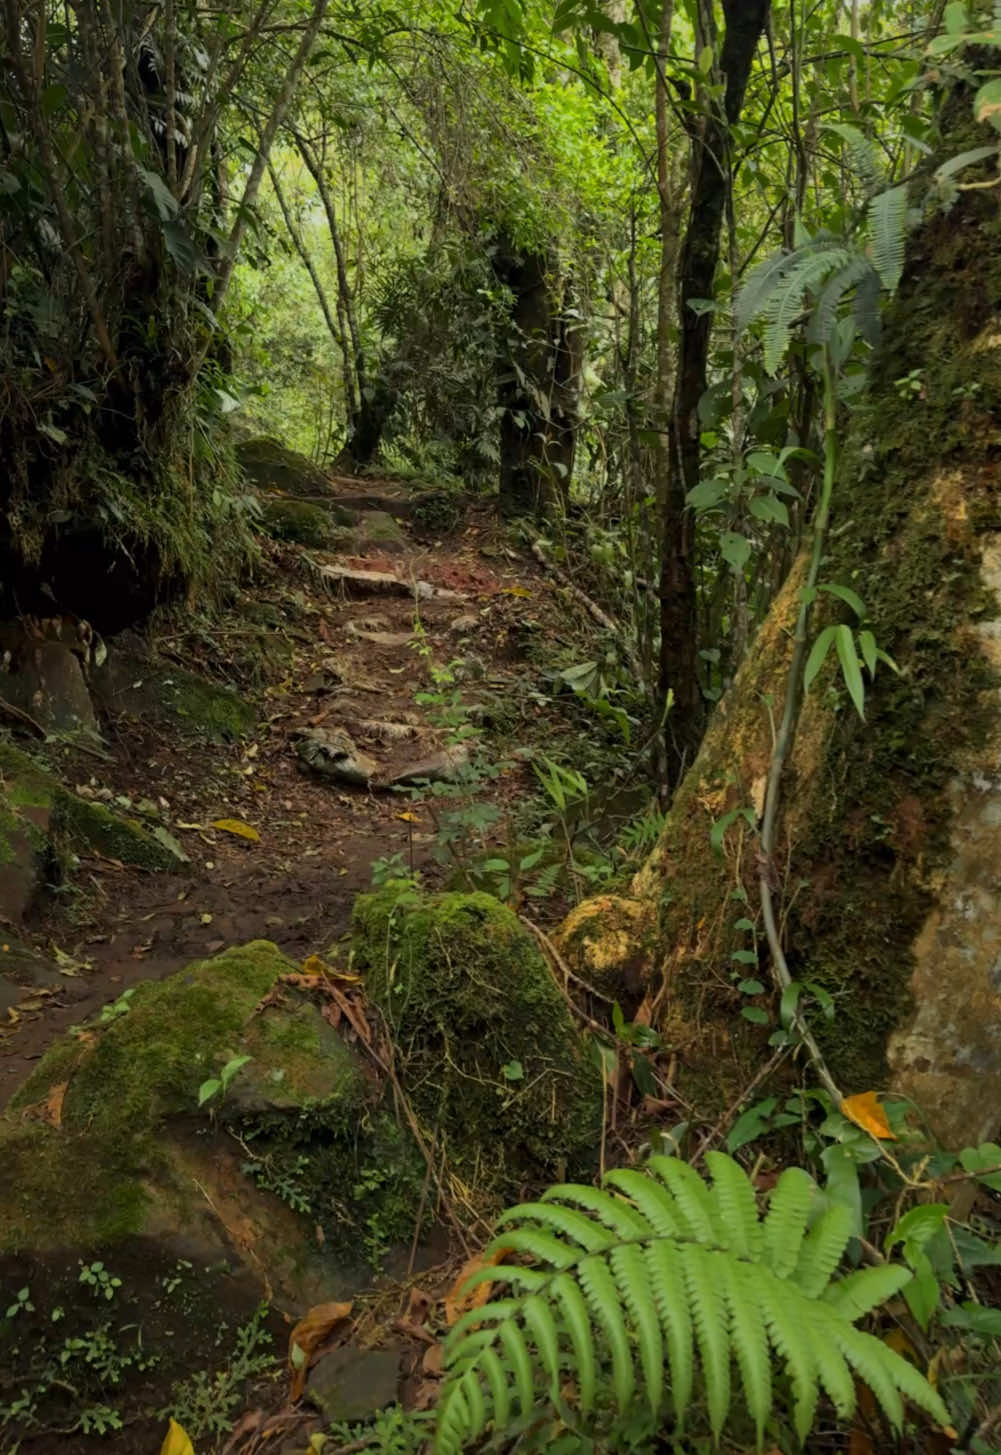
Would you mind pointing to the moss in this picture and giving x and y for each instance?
(127, 1084)
(216, 712)
(304, 524)
(272, 466)
(76, 822)
(487, 1051)
(610, 941)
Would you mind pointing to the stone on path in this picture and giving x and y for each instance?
(351, 1384)
(332, 753)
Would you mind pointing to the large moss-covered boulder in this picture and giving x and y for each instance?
(40, 818)
(106, 1139)
(271, 465)
(487, 1051)
(305, 524)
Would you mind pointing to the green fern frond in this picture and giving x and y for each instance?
(658, 1277)
(825, 311)
(787, 302)
(864, 156)
(888, 228)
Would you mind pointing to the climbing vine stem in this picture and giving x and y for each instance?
(786, 735)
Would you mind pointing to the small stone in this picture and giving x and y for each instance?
(441, 767)
(332, 753)
(468, 622)
(352, 1384)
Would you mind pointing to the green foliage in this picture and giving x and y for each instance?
(654, 1287)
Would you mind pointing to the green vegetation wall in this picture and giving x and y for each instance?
(888, 876)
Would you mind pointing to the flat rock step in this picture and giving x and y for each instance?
(383, 583)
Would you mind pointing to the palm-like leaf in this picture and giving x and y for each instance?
(657, 1276)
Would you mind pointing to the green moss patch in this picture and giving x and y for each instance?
(71, 820)
(272, 466)
(495, 1068)
(161, 692)
(305, 524)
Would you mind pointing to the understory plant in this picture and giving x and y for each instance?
(647, 1291)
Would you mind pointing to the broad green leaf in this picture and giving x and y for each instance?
(818, 653)
(848, 596)
(845, 643)
(735, 549)
(769, 508)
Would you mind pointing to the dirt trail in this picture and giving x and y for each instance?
(351, 662)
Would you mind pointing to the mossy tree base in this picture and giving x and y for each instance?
(888, 877)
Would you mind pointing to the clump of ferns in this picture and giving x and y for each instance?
(648, 1291)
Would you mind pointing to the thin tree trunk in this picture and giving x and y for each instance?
(745, 23)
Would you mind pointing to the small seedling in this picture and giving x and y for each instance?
(218, 1085)
(22, 1304)
(101, 1282)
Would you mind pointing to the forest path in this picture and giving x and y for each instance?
(344, 654)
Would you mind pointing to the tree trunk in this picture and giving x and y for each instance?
(538, 387)
(745, 23)
(888, 878)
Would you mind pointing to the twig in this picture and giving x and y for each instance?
(17, 714)
(735, 1107)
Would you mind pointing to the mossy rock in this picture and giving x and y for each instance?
(130, 682)
(487, 1051)
(610, 941)
(106, 1140)
(302, 523)
(270, 465)
(35, 796)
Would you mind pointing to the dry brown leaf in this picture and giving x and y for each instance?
(865, 1111)
(418, 1305)
(456, 1302)
(309, 1333)
(433, 1361)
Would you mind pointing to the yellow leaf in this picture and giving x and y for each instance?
(313, 965)
(238, 827)
(457, 1301)
(521, 591)
(176, 1442)
(409, 817)
(865, 1111)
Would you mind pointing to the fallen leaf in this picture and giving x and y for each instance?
(52, 1107)
(432, 1363)
(520, 591)
(865, 1111)
(309, 1333)
(409, 817)
(238, 827)
(176, 1441)
(458, 1302)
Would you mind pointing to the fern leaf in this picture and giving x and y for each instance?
(785, 1334)
(832, 1370)
(786, 1221)
(541, 1325)
(572, 1224)
(500, 1394)
(865, 1355)
(787, 301)
(681, 1278)
(600, 1292)
(888, 225)
(737, 1203)
(667, 1284)
(825, 312)
(705, 1300)
(865, 1289)
(821, 1250)
(622, 1220)
(750, 1341)
(630, 1275)
(758, 288)
(653, 1201)
(570, 1299)
(863, 154)
(538, 1244)
(519, 1362)
(692, 1197)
